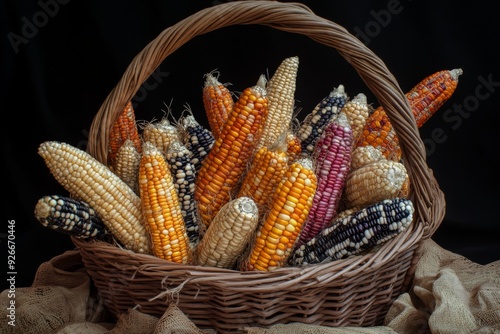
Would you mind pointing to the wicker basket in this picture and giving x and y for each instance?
(357, 291)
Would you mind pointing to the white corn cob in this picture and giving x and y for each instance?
(281, 96)
(228, 235)
(89, 180)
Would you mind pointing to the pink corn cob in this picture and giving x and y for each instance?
(332, 163)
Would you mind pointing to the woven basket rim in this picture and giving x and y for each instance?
(350, 266)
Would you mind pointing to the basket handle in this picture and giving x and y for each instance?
(294, 18)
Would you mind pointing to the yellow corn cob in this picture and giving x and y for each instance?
(228, 234)
(280, 229)
(218, 102)
(357, 111)
(88, 180)
(126, 165)
(161, 207)
(266, 170)
(363, 155)
(379, 180)
(161, 134)
(225, 164)
(281, 96)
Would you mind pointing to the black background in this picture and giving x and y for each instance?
(55, 76)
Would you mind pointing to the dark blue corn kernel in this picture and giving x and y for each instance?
(69, 216)
(314, 123)
(334, 242)
(184, 174)
(198, 139)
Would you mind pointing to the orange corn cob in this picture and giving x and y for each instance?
(279, 232)
(266, 170)
(378, 132)
(161, 207)
(218, 102)
(425, 99)
(124, 127)
(225, 164)
(294, 148)
(431, 93)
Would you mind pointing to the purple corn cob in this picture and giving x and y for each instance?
(332, 162)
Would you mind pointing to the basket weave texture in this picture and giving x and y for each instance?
(357, 291)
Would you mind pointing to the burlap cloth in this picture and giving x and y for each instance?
(450, 294)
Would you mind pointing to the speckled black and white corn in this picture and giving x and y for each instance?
(357, 232)
(69, 216)
(183, 171)
(314, 123)
(198, 139)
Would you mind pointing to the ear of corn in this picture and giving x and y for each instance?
(373, 182)
(357, 110)
(332, 159)
(198, 140)
(225, 163)
(356, 232)
(179, 160)
(281, 96)
(294, 147)
(90, 181)
(69, 216)
(161, 207)
(228, 235)
(124, 128)
(265, 172)
(425, 99)
(161, 134)
(126, 165)
(218, 103)
(378, 132)
(290, 205)
(431, 93)
(313, 124)
(363, 155)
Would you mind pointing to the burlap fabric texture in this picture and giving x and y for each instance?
(450, 294)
